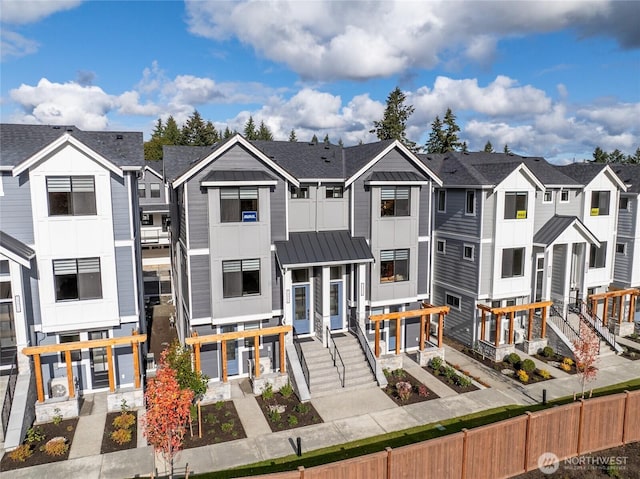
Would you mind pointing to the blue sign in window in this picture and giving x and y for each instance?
(249, 216)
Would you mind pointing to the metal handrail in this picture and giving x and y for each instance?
(564, 325)
(301, 358)
(595, 323)
(336, 355)
(366, 347)
(9, 394)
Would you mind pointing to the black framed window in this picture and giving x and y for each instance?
(441, 246)
(598, 256)
(71, 195)
(515, 206)
(512, 262)
(299, 192)
(624, 203)
(77, 279)
(394, 201)
(240, 278)
(564, 196)
(142, 190)
(470, 206)
(238, 204)
(76, 355)
(453, 301)
(600, 203)
(334, 191)
(146, 219)
(442, 201)
(394, 265)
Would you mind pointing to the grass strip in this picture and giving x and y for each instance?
(402, 438)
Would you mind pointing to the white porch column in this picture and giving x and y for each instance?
(567, 279)
(326, 303)
(361, 283)
(546, 277)
(19, 317)
(287, 303)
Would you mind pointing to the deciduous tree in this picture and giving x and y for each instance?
(167, 412)
(586, 349)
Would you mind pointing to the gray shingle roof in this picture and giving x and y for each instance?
(582, 172)
(311, 248)
(305, 160)
(358, 156)
(238, 175)
(396, 176)
(155, 165)
(20, 142)
(629, 174)
(178, 159)
(553, 228)
(16, 247)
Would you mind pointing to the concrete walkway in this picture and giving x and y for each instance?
(347, 416)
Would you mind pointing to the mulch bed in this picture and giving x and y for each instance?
(556, 362)
(220, 423)
(66, 429)
(633, 337)
(450, 382)
(630, 353)
(284, 413)
(108, 444)
(418, 392)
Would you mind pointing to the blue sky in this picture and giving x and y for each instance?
(551, 78)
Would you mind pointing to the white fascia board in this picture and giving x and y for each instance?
(392, 183)
(66, 138)
(16, 258)
(154, 172)
(396, 144)
(235, 140)
(322, 181)
(533, 179)
(615, 178)
(325, 263)
(209, 184)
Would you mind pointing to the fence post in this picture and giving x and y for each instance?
(580, 424)
(526, 441)
(625, 417)
(463, 469)
(301, 470)
(388, 449)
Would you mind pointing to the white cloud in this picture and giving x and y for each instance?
(29, 11)
(13, 44)
(329, 40)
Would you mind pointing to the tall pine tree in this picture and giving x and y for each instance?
(250, 132)
(264, 133)
(393, 125)
(488, 147)
(450, 140)
(292, 135)
(435, 142)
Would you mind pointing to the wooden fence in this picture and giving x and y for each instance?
(499, 450)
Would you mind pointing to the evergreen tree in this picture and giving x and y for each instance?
(153, 147)
(507, 150)
(394, 121)
(264, 133)
(450, 140)
(171, 132)
(435, 142)
(227, 133)
(488, 147)
(635, 159)
(340, 142)
(464, 148)
(158, 130)
(250, 132)
(600, 156)
(616, 156)
(314, 139)
(211, 135)
(326, 140)
(193, 131)
(292, 135)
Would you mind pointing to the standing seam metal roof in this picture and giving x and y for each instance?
(310, 248)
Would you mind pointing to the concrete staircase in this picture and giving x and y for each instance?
(325, 378)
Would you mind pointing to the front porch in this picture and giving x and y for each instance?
(501, 347)
(620, 317)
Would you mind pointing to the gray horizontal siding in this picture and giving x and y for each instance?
(200, 286)
(276, 283)
(361, 209)
(624, 263)
(425, 210)
(277, 200)
(182, 214)
(15, 207)
(458, 324)
(455, 219)
(488, 214)
(486, 266)
(558, 274)
(394, 161)
(198, 213)
(451, 268)
(423, 267)
(625, 222)
(124, 278)
(120, 207)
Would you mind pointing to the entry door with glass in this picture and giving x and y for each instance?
(99, 363)
(301, 306)
(335, 298)
(233, 364)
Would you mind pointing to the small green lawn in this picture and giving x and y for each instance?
(401, 438)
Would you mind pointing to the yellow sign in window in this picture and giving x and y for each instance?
(521, 214)
(595, 211)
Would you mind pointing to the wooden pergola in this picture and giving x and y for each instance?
(618, 298)
(511, 311)
(36, 351)
(426, 310)
(197, 342)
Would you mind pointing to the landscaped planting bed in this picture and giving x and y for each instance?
(450, 376)
(404, 389)
(549, 356)
(633, 337)
(120, 432)
(630, 353)
(48, 442)
(219, 421)
(284, 410)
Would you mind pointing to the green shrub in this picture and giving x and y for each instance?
(450, 373)
(513, 359)
(548, 352)
(292, 420)
(399, 373)
(274, 415)
(55, 447)
(210, 418)
(35, 434)
(227, 426)
(286, 390)
(124, 421)
(179, 359)
(219, 405)
(57, 416)
(21, 453)
(267, 392)
(435, 363)
(463, 381)
(528, 365)
(302, 408)
(121, 436)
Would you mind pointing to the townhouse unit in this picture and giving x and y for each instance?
(154, 231)
(512, 231)
(70, 255)
(308, 235)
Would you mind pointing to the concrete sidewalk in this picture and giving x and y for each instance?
(347, 416)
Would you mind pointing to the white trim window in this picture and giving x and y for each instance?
(600, 203)
(76, 354)
(624, 203)
(441, 246)
(142, 190)
(564, 196)
(235, 202)
(621, 248)
(598, 256)
(453, 301)
(77, 279)
(512, 262)
(240, 278)
(470, 203)
(299, 192)
(71, 195)
(394, 265)
(515, 205)
(547, 196)
(394, 201)
(468, 252)
(333, 192)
